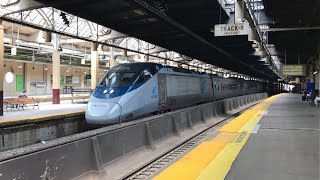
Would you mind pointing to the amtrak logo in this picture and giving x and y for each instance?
(154, 92)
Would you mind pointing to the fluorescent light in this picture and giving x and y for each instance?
(14, 51)
(139, 11)
(315, 72)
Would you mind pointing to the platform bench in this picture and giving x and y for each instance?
(84, 93)
(11, 103)
(23, 102)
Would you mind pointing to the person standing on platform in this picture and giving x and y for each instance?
(317, 98)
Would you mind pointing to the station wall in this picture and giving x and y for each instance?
(38, 81)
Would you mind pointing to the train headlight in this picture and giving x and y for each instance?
(111, 91)
(105, 91)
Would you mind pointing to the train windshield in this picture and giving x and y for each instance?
(118, 79)
(129, 74)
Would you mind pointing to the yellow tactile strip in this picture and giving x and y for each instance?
(236, 124)
(38, 118)
(213, 158)
(225, 137)
(189, 166)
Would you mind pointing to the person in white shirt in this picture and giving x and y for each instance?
(316, 101)
(317, 97)
(23, 94)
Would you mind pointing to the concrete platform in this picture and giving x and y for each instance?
(287, 145)
(279, 138)
(45, 109)
(21, 128)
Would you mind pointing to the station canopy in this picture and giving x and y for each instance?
(76, 34)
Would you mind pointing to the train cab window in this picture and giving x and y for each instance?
(118, 79)
(144, 76)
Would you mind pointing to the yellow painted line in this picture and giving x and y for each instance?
(220, 166)
(248, 127)
(225, 137)
(237, 123)
(212, 159)
(43, 117)
(191, 165)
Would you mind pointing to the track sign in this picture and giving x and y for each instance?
(231, 29)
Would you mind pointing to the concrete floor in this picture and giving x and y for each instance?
(286, 147)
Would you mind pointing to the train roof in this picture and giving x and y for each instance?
(134, 66)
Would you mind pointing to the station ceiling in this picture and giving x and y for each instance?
(296, 42)
(181, 26)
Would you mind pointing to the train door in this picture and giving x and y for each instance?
(162, 90)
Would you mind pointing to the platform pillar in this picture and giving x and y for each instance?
(94, 67)
(252, 36)
(146, 58)
(1, 67)
(317, 64)
(239, 11)
(125, 54)
(112, 61)
(55, 77)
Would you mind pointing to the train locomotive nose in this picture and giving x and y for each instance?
(101, 113)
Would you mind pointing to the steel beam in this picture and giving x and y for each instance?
(23, 5)
(291, 29)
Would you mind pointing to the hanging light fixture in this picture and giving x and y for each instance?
(19, 66)
(33, 59)
(59, 48)
(48, 57)
(45, 68)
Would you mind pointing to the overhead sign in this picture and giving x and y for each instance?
(231, 29)
(294, 70)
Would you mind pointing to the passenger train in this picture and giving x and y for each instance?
(133, 90)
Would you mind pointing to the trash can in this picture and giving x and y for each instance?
(65, 91)
(69, 89)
